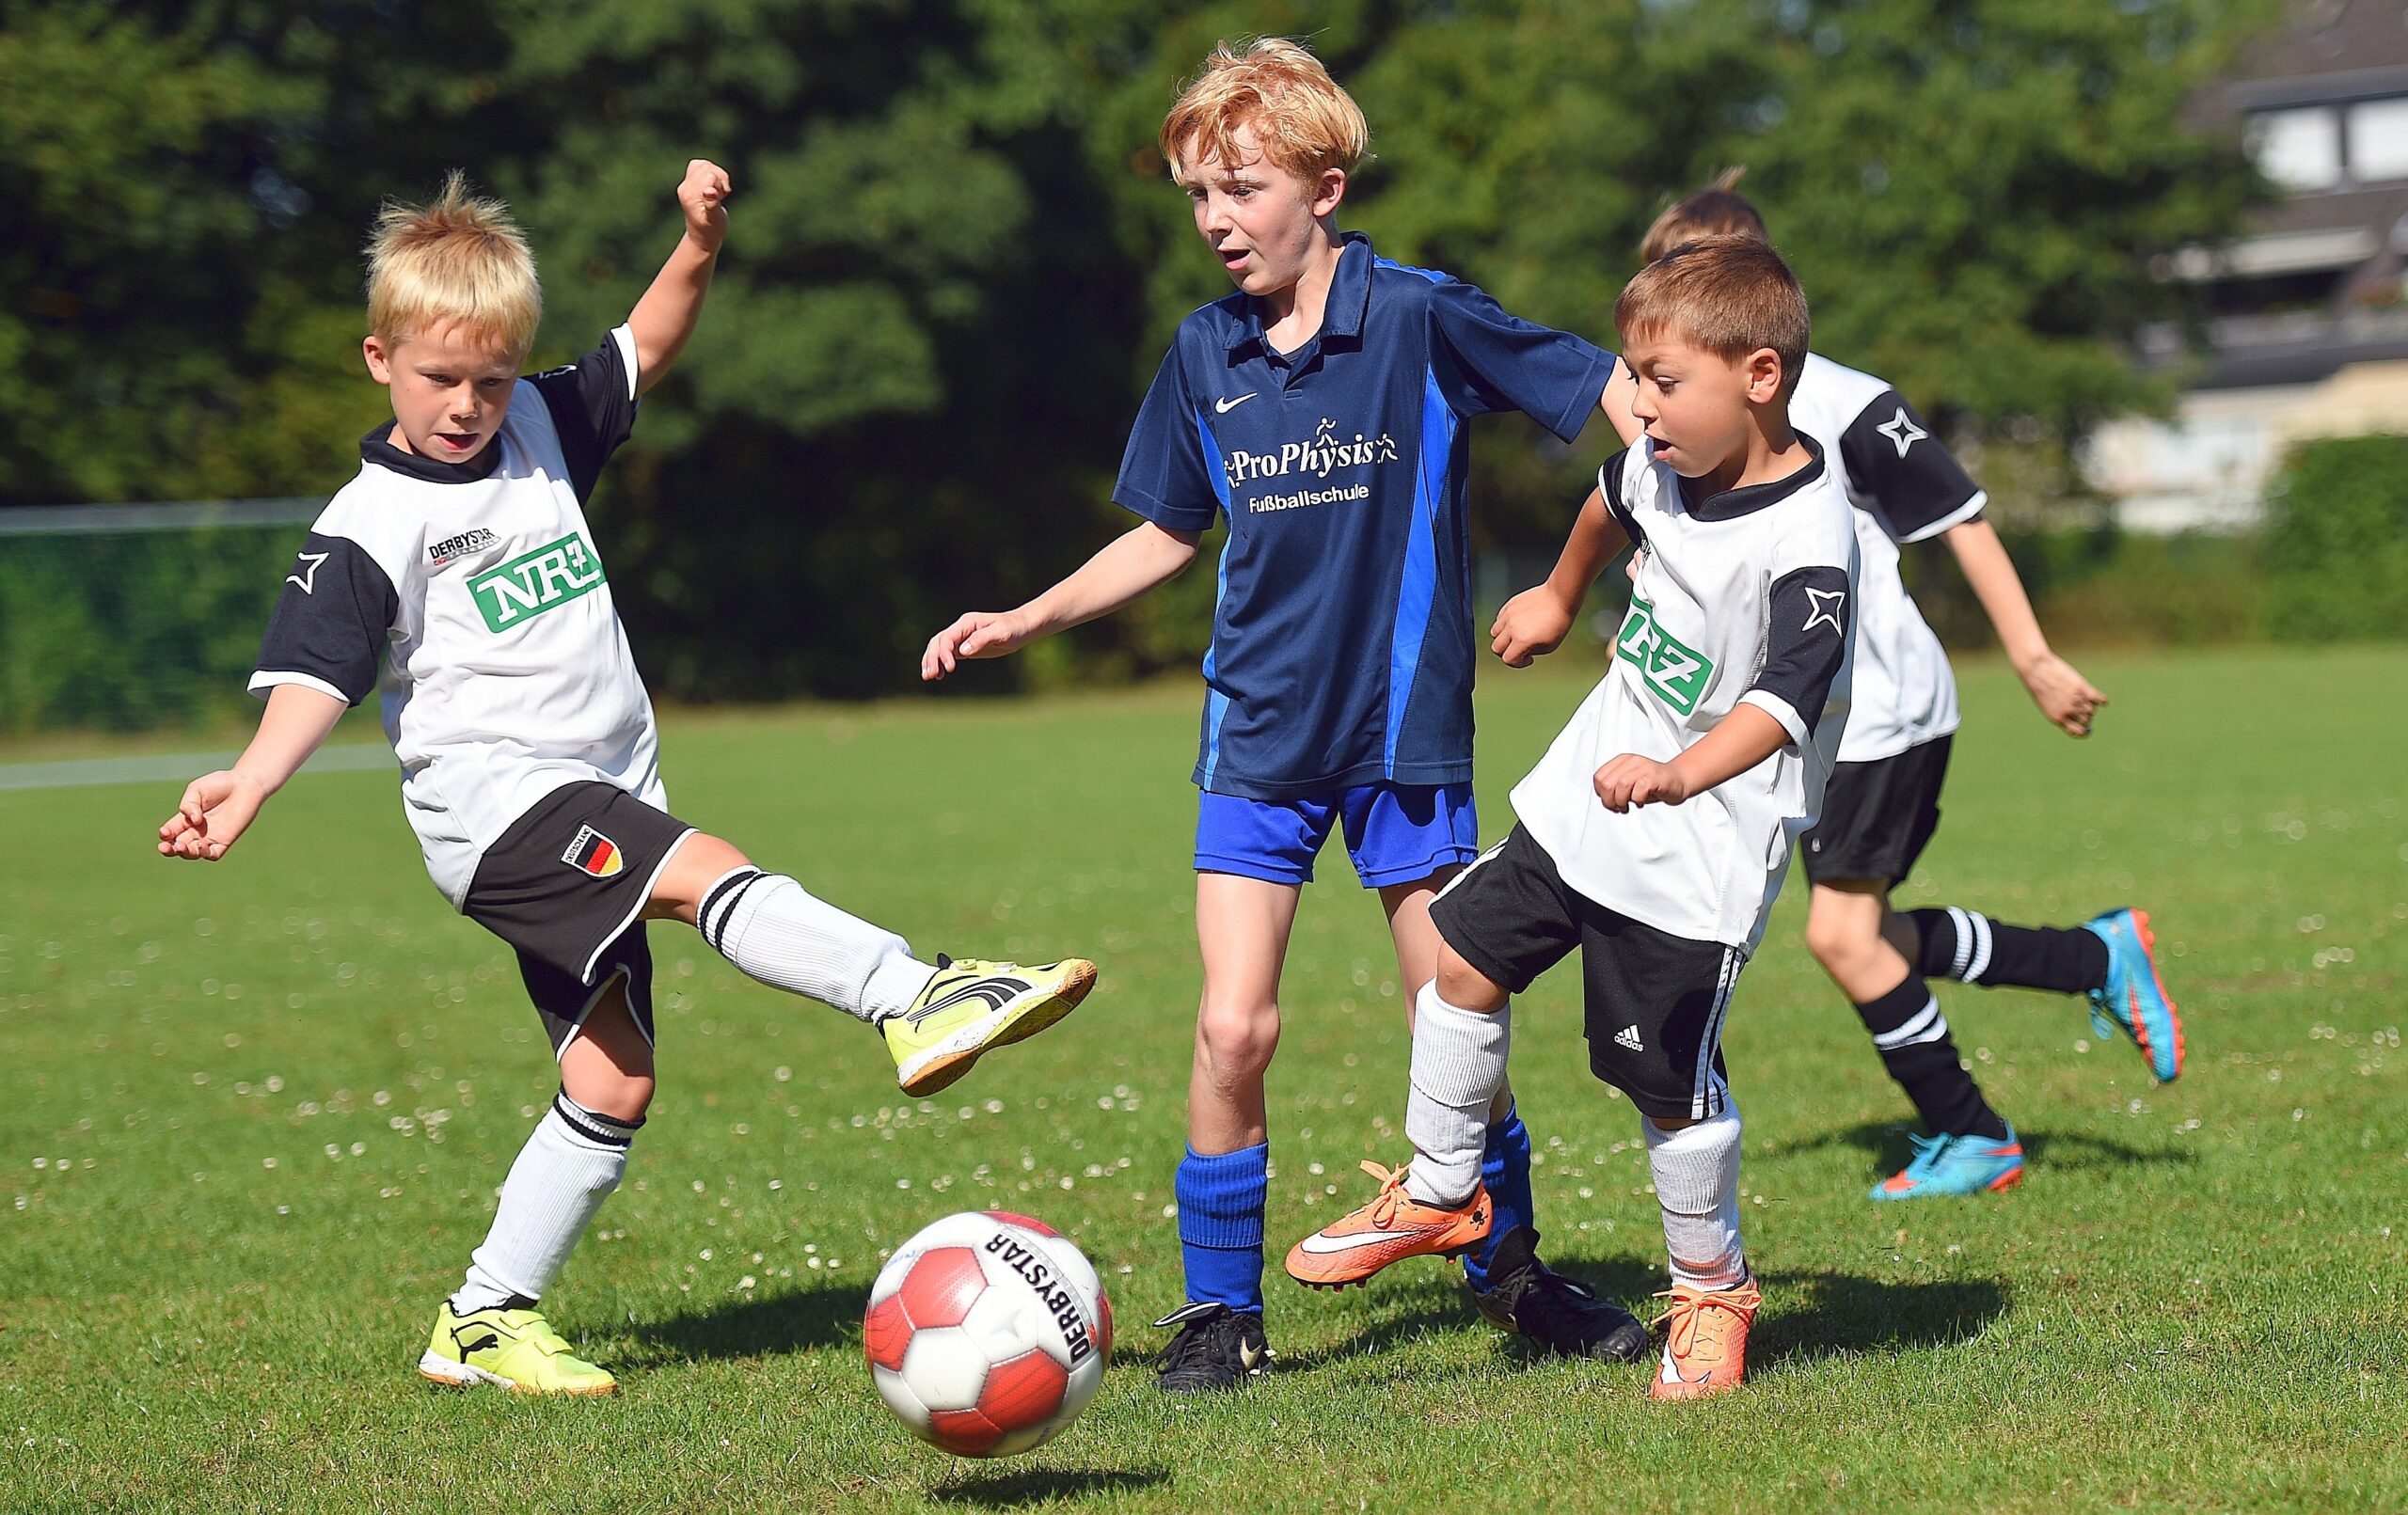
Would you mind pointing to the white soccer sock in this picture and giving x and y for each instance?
(773, 929)
(1697, 1182)
(562, 1175)
(1458, 1066)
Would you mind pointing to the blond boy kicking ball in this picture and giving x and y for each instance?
(1654, 833)
(458, 570)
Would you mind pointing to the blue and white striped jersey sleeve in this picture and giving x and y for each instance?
(1485, 360)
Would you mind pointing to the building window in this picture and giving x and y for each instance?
(2298, 148)
(2378, 140)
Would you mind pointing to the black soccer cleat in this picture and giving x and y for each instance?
(1556, 1314)
(1216, 1347)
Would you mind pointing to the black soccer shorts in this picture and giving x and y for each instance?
(566, 886)
(1877, 816)
(1652, 1002)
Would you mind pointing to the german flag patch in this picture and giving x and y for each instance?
(593, 853)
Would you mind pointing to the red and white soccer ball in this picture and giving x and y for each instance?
(986, 1333)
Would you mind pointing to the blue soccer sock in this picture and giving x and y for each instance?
(1505, 1168)
(1221, 1200)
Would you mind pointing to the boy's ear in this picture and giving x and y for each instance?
(1765, 374)
(1331, 190)
(380, 359)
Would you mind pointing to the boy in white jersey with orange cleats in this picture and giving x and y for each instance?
(1884, 800)
(1654, 833)
(458, 570)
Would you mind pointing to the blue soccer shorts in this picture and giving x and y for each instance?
(1395, 833)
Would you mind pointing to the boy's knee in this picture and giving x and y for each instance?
(620, 1095)
(1237, 1040)
(1837, 941)
(1466, 987)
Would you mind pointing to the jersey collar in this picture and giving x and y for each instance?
(1350, 302)
(373, 447)
(1734, 503)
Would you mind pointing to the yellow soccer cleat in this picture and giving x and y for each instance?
(972, 1008)
(515, 1349)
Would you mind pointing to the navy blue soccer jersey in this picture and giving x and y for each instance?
(1342, 646)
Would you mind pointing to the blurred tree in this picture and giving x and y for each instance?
(955, 258)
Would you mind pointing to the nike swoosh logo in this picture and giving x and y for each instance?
(1222, 408)
(1350, 1243)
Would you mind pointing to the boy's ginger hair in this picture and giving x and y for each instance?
(1732, 296)
(1307, 123)
(1718, 209)
(459, 260)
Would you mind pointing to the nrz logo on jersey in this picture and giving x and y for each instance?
(474, 540)
(1676, 673)
(593, 853)
(1317, 457)
(548, 576)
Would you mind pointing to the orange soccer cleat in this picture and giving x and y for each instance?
(1706, 1346)
(1392, 1227)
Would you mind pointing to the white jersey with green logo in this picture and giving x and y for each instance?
(473, 594)
(1747, 597)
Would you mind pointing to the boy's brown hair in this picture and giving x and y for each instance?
(1731, 296)
(1718, 209)
(458, 261)
(1307, 123)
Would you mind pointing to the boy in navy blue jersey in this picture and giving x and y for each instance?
(1320, 410)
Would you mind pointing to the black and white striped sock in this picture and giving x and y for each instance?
(772, 928)
(1970, 947)
(1912, 1037)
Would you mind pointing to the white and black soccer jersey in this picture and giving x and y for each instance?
(472, 592)
(1747, 598)
(1906, 487)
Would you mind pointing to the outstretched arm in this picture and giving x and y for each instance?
(218, 807)
(2063, 696)
(1536, 622)
(665, 317)
(1136, 562)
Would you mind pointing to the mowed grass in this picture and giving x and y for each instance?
(252, 1117)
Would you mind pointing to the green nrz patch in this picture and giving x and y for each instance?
(1676, 673)
(534, 582)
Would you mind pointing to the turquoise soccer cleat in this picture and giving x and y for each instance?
(2135, 997)
(1946, 1166)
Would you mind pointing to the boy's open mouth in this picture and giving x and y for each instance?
(456, 441)
(1232, 257)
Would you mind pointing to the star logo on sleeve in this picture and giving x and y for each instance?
(1902, 431)
(1823, 609)
(308, 577)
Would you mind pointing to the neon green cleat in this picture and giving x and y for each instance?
(972, 1008)
(516, 1350)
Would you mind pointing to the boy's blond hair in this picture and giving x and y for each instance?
(459, 260)
(1718, 209)
(1307, 123)
(1731, 296)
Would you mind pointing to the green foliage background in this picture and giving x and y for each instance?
(955, 258)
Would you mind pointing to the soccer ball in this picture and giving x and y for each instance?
(986, 1333)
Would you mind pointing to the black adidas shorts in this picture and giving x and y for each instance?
(566, 886)
(1653, 1002)
(1877, 816)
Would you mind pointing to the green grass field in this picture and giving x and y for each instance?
(252, 1117)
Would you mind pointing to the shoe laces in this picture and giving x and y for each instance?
(1931, 1151)
(1689, 1316)
(1199, 1335)
(1392, 1191)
